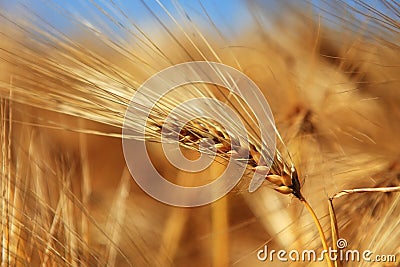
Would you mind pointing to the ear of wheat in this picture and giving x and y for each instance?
(49, 78)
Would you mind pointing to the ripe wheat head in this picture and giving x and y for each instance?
(330, 72)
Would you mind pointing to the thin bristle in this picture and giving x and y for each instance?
(329, 71)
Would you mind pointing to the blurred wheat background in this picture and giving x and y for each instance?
(329, 70)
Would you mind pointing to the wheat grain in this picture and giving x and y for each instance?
(52, 216)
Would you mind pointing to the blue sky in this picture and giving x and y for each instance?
(138, 13)
(136, 9)
(228, 15)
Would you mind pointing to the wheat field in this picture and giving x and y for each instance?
(328, 69)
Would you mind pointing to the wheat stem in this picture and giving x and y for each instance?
(367, 190)
(334, 228)
(320, 231)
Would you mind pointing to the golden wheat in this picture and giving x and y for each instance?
(68, 199)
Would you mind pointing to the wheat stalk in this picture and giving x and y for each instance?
(99, 90)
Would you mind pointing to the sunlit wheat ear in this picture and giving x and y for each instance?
(59, 73)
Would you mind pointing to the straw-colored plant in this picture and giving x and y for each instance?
(67, 197)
